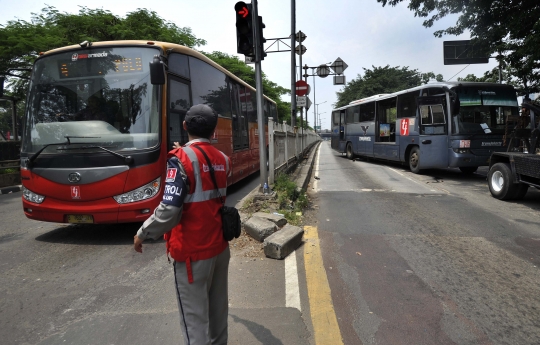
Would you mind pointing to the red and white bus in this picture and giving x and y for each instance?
(102, 116)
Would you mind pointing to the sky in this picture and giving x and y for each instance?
(360, 32)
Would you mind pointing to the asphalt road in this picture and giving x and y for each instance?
(82, 284)
(426, 259)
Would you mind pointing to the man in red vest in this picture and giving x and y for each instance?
(189, 217)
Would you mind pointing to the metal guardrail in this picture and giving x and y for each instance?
(11, 164)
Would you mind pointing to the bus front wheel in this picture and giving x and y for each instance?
(414, 160)
(350, 154)
(500, 182)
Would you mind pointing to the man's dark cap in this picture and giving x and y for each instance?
(201, 120)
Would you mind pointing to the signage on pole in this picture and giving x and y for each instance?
(300, 50)
(339, 66)
(301, 101)
(323, 71)
(300, 37)
(250, 59)
(308, 103)
(302, 88)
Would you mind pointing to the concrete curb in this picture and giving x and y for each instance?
(12, 189)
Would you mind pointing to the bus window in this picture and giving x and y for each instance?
(367, 112)
(335, 118)
(432, 119)
(387, 116)
(209, 86)
(352, 114)
(407, 104)
(178, 64)
(179, 104)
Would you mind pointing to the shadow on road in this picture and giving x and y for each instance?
(93, 234)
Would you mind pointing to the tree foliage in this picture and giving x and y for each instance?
(511, 28)
(21, 41)
(382, 80)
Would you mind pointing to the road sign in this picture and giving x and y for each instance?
(323, 71)
(300, 37)
(301, 101)
(339, 66)
(250, 59)
(308, 103)
(463, 53)
(302, 88)
(300, 50)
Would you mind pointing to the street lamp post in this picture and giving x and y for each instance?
(316, 110)
(320, 121)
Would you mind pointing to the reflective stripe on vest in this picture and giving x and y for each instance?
(199, 194)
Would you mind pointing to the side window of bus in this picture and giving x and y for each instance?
(179, 104)
(178, 64)
(367, 112)
(407, 104)
(335, 118)
(432, 119)
(352, 114)
(209, 87)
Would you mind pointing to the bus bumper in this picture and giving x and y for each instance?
(467, 160)
(105, 211)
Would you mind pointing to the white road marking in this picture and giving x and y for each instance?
(292, 291)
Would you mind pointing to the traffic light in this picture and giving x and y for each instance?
(261, 38)
(244, 29)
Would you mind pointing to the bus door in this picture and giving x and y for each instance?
(342, 131)
(178, 105)
(433, 132)
(334, 143)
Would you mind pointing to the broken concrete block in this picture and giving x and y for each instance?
(259, 228)
(276, 219)
(283, 242)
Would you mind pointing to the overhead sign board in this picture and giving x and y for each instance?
(463, 53)
(302, 88)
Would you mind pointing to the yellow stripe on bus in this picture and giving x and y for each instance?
(323, 317)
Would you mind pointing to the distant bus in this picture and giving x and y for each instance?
(100, 121)
(450, 124)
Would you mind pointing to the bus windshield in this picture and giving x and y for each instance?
(484, 109)
(101, 97)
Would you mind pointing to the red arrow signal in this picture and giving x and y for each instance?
(244, 12)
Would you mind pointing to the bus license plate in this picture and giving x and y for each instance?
(80, 219)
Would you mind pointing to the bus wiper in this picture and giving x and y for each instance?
(67, 142)
(31, 160)
(127, 159)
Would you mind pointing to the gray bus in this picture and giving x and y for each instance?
(440, 125)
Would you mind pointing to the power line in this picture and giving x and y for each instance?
(458, 72)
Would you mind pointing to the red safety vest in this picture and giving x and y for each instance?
(199, 234)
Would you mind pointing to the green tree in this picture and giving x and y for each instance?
(509, 28)
(382, 80)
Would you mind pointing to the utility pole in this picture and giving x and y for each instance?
(293, 63)
(259, 87)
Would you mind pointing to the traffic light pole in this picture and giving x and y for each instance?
(293, 63)
(260, 110)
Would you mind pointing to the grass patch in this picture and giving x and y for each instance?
(9, 171)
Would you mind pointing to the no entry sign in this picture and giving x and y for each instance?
(302, 88)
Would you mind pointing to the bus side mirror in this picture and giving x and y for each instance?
(2, 86)
(157, 71)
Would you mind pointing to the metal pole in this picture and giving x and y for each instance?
(14, 119)
(314, 102)
(500, 68)
(293, 63)
(260, 111)
(301, 108)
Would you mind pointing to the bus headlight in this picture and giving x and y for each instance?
(145, 192)
(28, 195)
(462, 150)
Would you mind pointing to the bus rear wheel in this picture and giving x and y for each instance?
(414, 160)
(500, 182)
(350, 154)
(468, 170)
